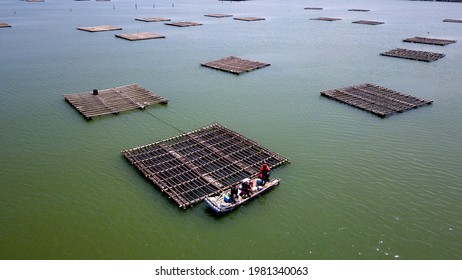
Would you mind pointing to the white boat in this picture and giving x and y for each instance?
(221, 204)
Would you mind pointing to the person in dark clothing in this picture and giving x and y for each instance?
(264, 174)
(233, 194)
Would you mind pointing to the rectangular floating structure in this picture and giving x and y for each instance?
(218, 15)
(140, 36)
(153, 19)
(369, 22)
(313, 8)
(113, 100)
(183, 23)
(2, 25)
(200, 163)
(453, 20)
(35, 1)
(235, 65)
(375, 99)
(358, 10)
(100, 28)
(326, 18)
(414, 55)
(249, 18)
(429, 41)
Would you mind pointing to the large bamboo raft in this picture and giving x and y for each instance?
(368, 22)
(429, 41)
(235, 65)
(453, 20)
(113, 100)
(100, 28)
(249, 18)
(152, 19)
(358, 10)
(375, 99)
(414, 55)
(140, 36)
(326, 18)
(218, 15)
(200, 163)
(183, 23)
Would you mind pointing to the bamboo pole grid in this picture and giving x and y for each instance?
(200, 163)
(113, 100)
(414, 55)
(429, 41)
(376, 99)
(235, 65)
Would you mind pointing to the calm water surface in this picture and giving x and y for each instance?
(358, 187)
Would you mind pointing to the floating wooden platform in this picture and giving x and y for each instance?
(453, 20)
(326, 18)
(153, 19)
(375, 99)
(414, 55)
(183, 23)
(358, 10)
(3, 25)
(249, 18)
(429, 41)
(200, 163)
(100, 28)
(113, 100)
(218, 15)
(369, 22)
(140, 36)
(235, 65)
(313, 8)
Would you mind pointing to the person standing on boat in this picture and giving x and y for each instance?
(233, 194)
(264, 173)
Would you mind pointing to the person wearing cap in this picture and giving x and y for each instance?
(246, 187)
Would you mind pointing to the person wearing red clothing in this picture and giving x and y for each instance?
(264, 173)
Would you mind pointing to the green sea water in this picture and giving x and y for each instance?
(358, 186)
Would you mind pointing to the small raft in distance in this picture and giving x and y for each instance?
(219, 205)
